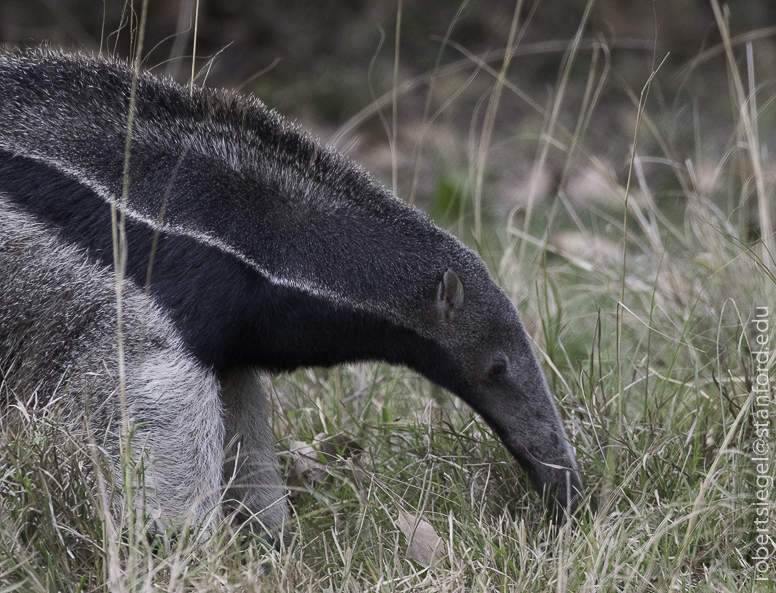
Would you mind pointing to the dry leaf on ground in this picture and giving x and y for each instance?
(424, 546)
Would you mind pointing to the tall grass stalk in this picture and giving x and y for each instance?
(610, 451)
(490, 118)
(128, 469)
(548, 133)
(194, 47)
(395, 102)
(747, 112)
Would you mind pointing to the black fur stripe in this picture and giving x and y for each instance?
(227, 313)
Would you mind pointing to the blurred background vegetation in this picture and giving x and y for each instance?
(324, 63)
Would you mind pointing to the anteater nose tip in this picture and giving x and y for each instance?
(567, 498)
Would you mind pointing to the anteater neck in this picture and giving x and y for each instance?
(227, 313)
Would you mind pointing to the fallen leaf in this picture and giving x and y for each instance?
(424, 546)
(306, 461)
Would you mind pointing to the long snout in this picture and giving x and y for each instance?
(524, 415)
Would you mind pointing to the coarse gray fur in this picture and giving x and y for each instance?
(246, 197)
(58, 319)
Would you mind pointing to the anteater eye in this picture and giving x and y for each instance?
(497, 368)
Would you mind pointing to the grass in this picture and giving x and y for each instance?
(655, 395)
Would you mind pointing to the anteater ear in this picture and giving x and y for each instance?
(449, 295)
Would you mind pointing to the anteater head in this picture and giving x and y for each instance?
(492, 368)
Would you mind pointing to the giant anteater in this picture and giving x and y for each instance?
(248, 247)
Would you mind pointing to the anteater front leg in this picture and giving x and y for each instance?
(251, 471)
(178, 431)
